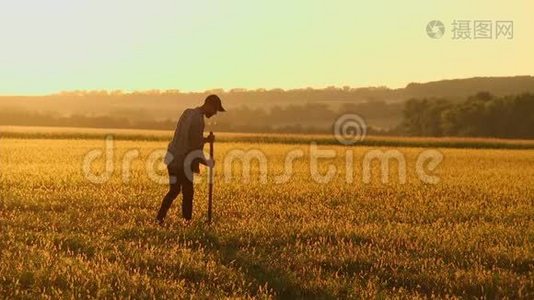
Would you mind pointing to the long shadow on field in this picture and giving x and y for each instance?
(282, 282)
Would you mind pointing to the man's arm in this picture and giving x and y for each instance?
(177, 145)
(196, 136)
(196, 132)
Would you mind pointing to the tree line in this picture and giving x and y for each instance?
(481, 115)
(304, 118)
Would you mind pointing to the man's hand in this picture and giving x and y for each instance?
(210, 163)
(209, 139)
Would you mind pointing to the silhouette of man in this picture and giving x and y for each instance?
(188, 141)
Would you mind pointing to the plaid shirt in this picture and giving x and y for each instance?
(188, 137)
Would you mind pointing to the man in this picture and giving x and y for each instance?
(184, 154)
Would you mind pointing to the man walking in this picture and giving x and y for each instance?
(184, 154)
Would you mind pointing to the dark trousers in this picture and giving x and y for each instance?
(178, 181)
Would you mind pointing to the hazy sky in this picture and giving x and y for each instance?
(54, 45)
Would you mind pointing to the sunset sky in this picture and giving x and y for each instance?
(57, 45)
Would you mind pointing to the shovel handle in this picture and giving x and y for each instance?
(210, 179)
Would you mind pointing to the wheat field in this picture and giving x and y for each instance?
(470, 235)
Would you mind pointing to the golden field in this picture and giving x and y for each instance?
(470, 235)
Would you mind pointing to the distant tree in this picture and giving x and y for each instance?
(423, 117)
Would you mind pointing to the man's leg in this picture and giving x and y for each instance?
(187, 192)
(174, 191)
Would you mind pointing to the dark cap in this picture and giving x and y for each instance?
(214, 100)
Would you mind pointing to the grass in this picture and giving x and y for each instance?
(262, 138)
(469, 236)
